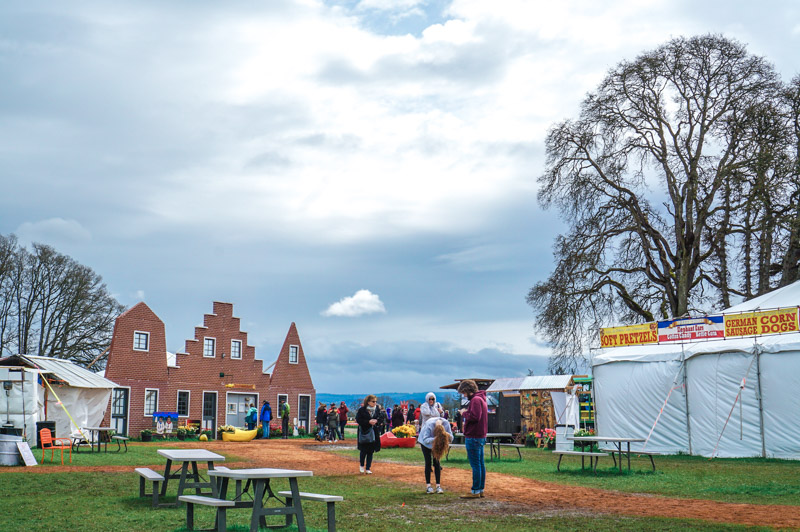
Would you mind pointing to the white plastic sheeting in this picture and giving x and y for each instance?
(20, 406)
(632, 383)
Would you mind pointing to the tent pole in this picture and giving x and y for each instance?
(760, 402)
(686, 398)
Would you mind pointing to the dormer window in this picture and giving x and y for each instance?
(209, 347)
(141, 341)
(293, 354)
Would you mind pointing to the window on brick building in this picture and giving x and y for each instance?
(141, 341)
(183, 403)
(209, 347)
(150, 401)
(293, 354)
(236, 349)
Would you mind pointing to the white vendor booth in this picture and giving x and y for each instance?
(686, 397)
(84, 394)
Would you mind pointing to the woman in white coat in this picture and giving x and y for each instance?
(429, 409)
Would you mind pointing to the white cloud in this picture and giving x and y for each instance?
(139, 295)
(361, 303)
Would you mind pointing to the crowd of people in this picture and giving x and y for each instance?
(434, 431)
(434, 434)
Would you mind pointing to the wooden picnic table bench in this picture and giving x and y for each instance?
(592, 456)
(330, 500)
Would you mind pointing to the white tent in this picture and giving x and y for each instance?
(84, 394)
(682, 397)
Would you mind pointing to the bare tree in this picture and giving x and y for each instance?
(644, 177)
(51, 305)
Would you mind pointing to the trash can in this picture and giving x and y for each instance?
(562, 443)
(9, 453)
(44, 425)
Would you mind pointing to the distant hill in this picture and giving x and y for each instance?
(396, 397)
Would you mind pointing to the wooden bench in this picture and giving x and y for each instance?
(220, 504)
(516, 446)
(582, 454)
(120, 440)
(454, 446)
(147, 474)
(331, 501)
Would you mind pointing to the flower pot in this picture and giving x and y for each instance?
(146, 436)
(181, 436)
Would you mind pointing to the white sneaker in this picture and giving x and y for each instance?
(361, 468)
(439, 489)
(368, 472)
(429, 491)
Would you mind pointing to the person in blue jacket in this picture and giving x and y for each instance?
(266, 417)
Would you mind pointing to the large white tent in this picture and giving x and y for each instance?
(683, 397)
(85, 395)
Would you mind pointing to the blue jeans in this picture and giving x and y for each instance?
(475, 456)
(265, 429)
(341, 429)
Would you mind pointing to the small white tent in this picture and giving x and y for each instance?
(84, 394)
(682, 397)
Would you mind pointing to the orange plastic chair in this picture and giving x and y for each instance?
(48, 442)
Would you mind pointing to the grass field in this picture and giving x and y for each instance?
(109, 501)
(745, 480)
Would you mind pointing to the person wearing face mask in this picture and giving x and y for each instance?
(369, 441)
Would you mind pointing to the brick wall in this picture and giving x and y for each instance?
(197, 373)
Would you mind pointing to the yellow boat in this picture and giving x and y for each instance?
(239, 435)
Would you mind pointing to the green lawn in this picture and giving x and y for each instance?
(745, 480)
(109, 501)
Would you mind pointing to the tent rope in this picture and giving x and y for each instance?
(661, 410)
(736, 400)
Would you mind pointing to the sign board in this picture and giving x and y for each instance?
(689, 329)
(27, 454)
(758, 323)
(644, 333)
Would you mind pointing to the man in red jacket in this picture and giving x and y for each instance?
(476, 424)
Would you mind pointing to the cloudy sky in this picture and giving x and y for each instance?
(364, 168)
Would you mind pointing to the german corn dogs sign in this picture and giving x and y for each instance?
(779, 321)
(758, 323)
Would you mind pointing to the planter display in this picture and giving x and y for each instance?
(146, 436)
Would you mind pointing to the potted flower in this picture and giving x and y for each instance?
(530, 439)
(181, 433)
(146, 435)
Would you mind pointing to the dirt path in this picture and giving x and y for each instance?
(534, 494)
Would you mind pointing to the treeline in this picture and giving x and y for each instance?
(51, 305)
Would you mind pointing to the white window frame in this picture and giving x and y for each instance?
(240, 349)
(188, 403)
(147, 335)
(214, 353)
(158, 392)
(299, 395)
(297, 353)
(127, 411)
(203, 406)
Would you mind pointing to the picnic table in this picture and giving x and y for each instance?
(187, 457)
(494, 440)
(94, 436)
(617, 442)
(260, 479)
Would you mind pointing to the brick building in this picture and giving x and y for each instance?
(211, 381)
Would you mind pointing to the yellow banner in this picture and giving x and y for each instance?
(644, 333)
(758, 323)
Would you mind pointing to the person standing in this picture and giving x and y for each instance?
(429, 409)
(266, 417)
(434, 440)
(410, 416)
(333, 423)
(343, 410)
(322, 421)
(476, 424)
(457, 417)
(397, 417)
(369, 441)
(284, 411)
